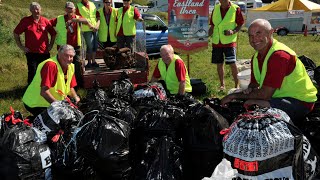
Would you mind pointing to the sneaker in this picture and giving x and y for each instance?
(95, 64)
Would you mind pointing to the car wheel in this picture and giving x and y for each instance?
(282, 32)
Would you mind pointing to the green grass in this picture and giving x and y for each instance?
(13, 68)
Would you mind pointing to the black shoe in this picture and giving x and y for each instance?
(95, 64)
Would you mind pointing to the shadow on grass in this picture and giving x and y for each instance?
(15, 93)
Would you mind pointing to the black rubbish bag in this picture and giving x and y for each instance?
(94, 100)
(202, 142)
(161, 160)
(311, 127)
(307, 62)
(60, 115)
(183, 101)
(153, 90)
(26, 158)
(198, 87)
(122, 88)
(103, 141)
(153, 121)
(264, 144)
(230, 112)
(9, 120)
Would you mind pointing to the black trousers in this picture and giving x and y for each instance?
(33, 60)
(35, 111)
(77, 66)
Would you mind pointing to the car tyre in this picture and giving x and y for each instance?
(282, 32)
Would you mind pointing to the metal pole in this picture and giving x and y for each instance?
(188, 61)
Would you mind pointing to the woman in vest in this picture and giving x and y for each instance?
(88, 10)
(53, 75)
(126, 25)
(108, 25)
(278, 77)
(172, 70)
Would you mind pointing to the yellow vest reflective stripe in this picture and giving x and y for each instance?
(170, 77)
(32, 97)
(103, 28)
(227, 23)
(297, 85)
(62, 31)
(128, 22)
(89, 14)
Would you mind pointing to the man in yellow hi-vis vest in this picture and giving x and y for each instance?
(225, 23)
(53, 75)
(68, 32)
(278, 77)
(126, 25)
(172, 70)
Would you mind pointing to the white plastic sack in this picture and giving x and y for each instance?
(223, 171)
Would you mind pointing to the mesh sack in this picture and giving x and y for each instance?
(263, 144)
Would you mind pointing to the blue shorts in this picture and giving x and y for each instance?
(227, 54)
(91, 41)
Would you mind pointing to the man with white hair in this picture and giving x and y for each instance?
(278, 77)
(172, 70)
(54, 80)
(68, 32)
(37, 46)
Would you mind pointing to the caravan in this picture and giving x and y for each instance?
(115, 3)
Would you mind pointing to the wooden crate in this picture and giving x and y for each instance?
(105, 76)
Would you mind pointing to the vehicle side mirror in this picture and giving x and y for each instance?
(164, 28)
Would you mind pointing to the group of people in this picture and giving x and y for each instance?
(62, 72)
(278, 77)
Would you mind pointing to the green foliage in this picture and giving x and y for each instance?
(141, 2)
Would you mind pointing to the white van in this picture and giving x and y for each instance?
(115, 3)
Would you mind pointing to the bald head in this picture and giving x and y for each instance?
(167, 53)
(260, 35)
(262, 23)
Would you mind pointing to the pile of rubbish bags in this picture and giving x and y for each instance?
(135, 132)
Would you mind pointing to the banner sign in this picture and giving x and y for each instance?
(188, 25)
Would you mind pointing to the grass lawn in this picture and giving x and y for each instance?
(13, 68)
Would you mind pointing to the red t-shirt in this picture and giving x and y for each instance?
(239, 21)
(49, 73)
(136, 16)
(280, 65)
(180, 70)
(72, 38)
(87, 6)
(36, 33)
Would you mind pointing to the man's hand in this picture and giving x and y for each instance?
(24, 49)
(247, 91)
(140, 19)
(77, 99)
(228, 32)
(50, 46)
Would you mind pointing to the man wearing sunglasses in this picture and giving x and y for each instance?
(126, 25)
(107, 29)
